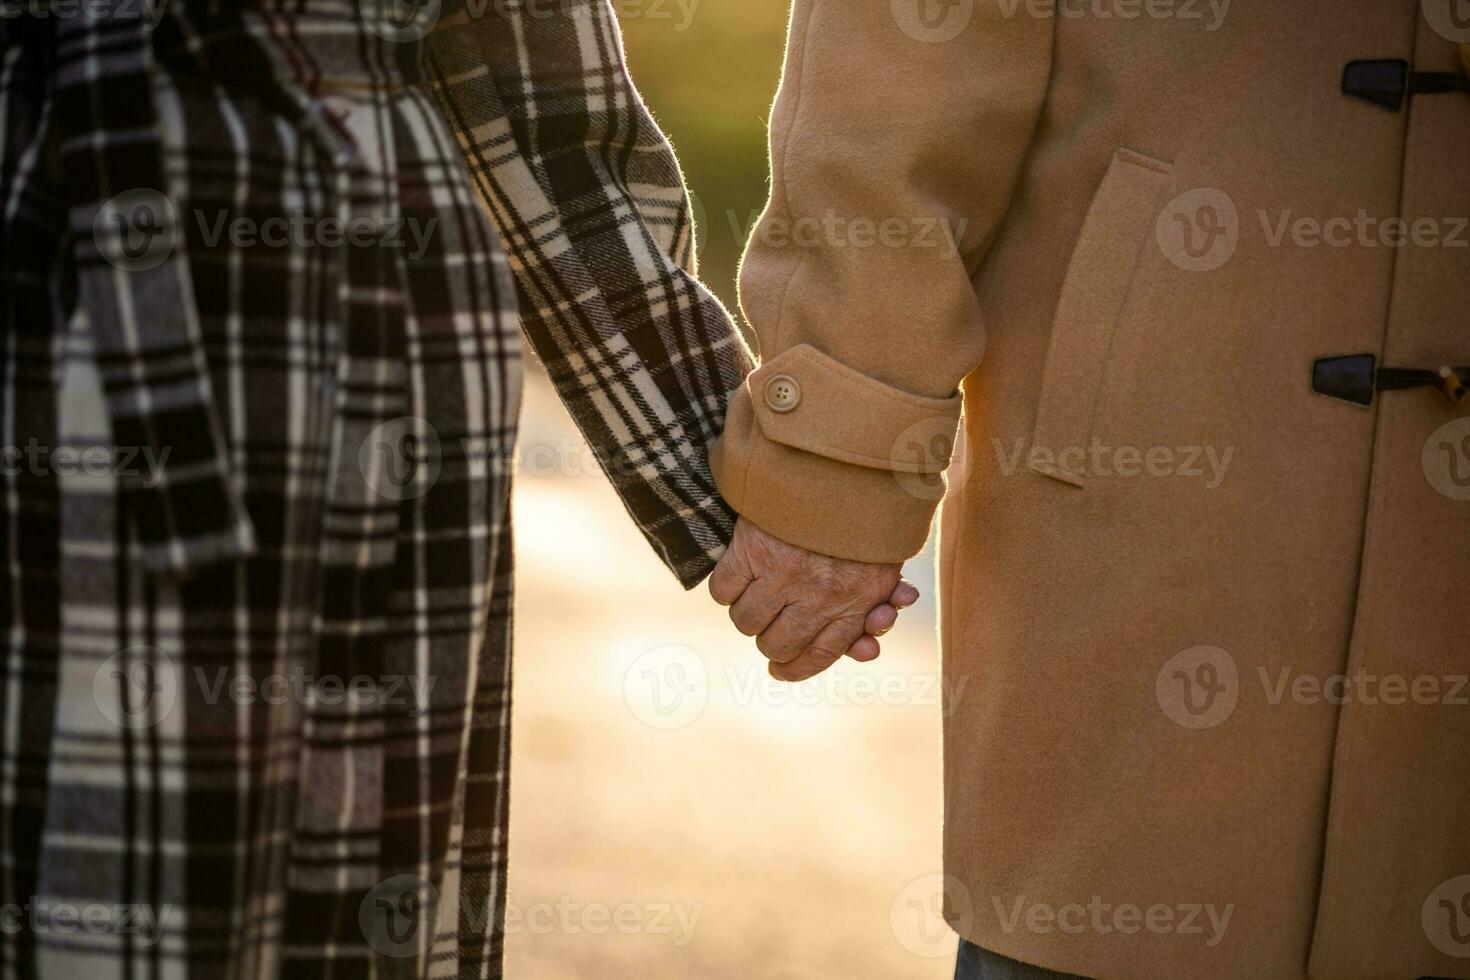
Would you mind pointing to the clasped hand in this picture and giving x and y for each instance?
(806, 610)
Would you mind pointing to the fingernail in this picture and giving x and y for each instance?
(906, 595)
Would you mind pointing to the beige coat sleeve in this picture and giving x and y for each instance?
(896, 141)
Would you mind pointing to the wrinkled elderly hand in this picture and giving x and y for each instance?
(806, 610)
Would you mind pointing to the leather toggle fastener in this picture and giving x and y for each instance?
(1388, 82)
(1356, 378)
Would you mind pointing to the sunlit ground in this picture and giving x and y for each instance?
(677, 814)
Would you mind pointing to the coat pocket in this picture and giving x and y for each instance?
(1095, 291)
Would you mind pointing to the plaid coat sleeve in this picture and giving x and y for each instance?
(590, 203)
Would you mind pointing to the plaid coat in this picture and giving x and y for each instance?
(260, 358)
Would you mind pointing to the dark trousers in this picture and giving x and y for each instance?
(975, 963)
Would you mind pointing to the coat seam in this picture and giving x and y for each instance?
(1361, 615)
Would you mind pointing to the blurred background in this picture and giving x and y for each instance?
(676, 813)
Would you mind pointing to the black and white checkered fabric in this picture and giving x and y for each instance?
(259, 375)
(589, 199)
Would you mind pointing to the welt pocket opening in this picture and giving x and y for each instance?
(1095, 291)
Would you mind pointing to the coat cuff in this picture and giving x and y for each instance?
(829, 459)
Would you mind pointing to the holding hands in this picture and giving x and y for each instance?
(806, 609)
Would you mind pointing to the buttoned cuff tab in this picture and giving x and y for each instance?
(809, 401)
(829, 459)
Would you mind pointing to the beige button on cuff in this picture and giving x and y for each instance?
(783, 393)
(848, 416)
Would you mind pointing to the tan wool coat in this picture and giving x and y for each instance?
(1213, 621)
